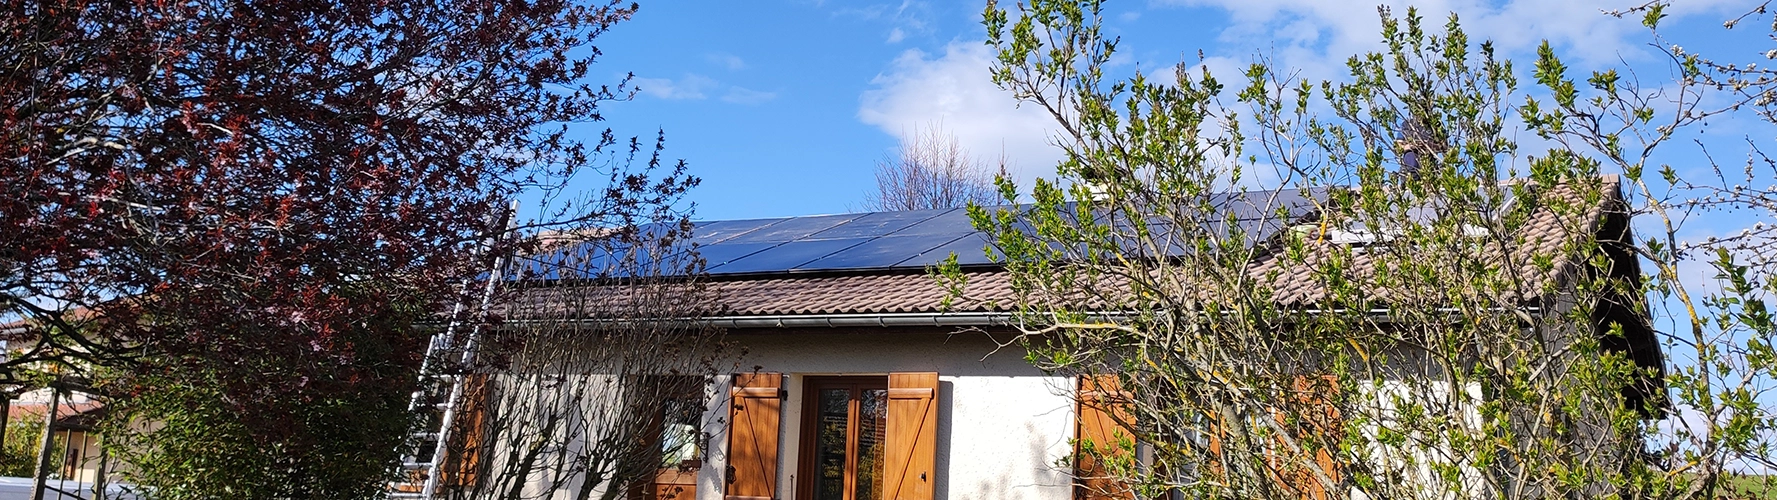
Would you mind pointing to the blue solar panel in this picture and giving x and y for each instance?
(792, 229)
(1298, 201)
(711, 232)
(1253, 231)
(968, 250)
(881, 252)
(1260, 204)
(786, 256)
(878, 224)
(723, 253)
(953, 223)
(593, 259)
(538, 267)
(913, 239)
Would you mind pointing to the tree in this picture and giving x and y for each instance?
(596, 371)
(1719, 443)
(1390, 314)
(932, 170)
(233, 215)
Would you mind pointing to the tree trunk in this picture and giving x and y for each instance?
(47, 446)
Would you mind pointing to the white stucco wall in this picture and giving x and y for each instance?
(1417, 460)
(1002, 425)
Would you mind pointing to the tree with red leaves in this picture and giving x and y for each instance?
(257, 199)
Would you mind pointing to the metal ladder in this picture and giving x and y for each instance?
(426, 460)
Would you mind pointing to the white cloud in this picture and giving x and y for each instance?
(691, 86)
(1317, 36)
(730, 61)
(904, 18)
(698, 87)
(742, 95)
(953, 90)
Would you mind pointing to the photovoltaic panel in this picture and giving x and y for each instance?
(573, 258)
(581, 261)
(878, 224)
(1259, 231)
(914, 239)
(883, 252)
(537, 267)
(792, 229)
(711, 232)
(1224, 205)
(1299, 202)
(953, 223)
(785, 256)
(968, 250)
(723, 253)
(1161, 240)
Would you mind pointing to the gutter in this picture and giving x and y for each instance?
(854, 319)
(894, 319)
(866, 319)
(936, 319)
(810, 320)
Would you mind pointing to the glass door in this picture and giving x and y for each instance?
(845, 419)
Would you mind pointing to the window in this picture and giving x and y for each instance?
(1307, 414)
(845, 430)
(680, 431)
(862, 437)
(680, 448)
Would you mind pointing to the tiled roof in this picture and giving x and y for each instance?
(1544, 233)
(805, 294)
(991, 290)
(34, 411)
(869, 293)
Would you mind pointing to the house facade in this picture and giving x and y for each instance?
(861, 379)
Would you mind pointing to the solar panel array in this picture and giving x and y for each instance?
(880, 240)
(918, 238)
(909, 239)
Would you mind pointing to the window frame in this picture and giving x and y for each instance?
(808, 431)
(691, 390)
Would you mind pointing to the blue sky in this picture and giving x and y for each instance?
(783, 107)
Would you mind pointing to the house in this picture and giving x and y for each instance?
(74, 432)
(860, 380)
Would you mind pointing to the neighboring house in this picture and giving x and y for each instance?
(79, 461)
(77, 415)
(864, 388)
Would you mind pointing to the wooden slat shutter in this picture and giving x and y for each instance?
(752, 436)
(1215, 435)
(468, 434)
(912, 436)
(1317, 422)
(1100, 425)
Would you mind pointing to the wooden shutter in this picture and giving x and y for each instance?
(468, 434)
(1101, 424)
(1215, 435)
(912, 436)
(1317, 421)
(752, 436)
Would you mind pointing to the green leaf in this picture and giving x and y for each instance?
(1655, 13)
